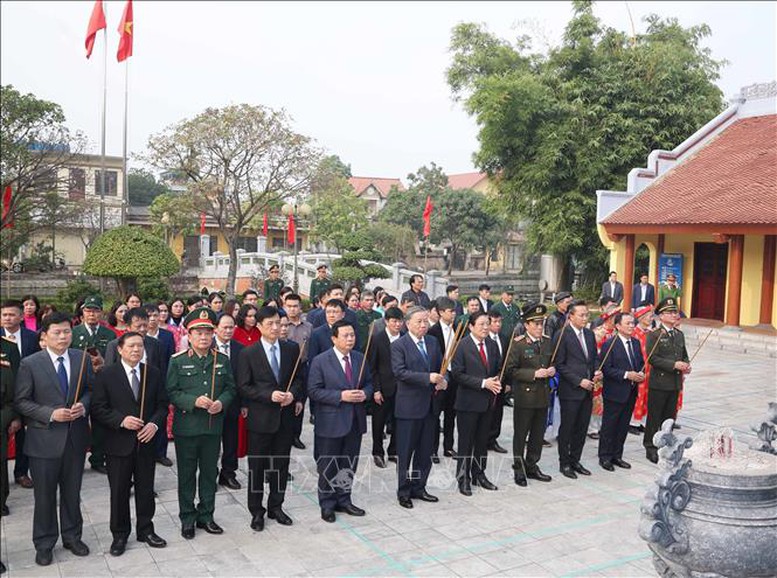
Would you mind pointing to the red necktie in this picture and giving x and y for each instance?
(483, 357)
(348, 370)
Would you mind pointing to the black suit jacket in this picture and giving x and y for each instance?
(468, 371)
(616, 388)
(607, 291)
(153, 349)
(320, 341)
(30, 341)
(636, 294)
(256, 382)
(235, 347)
(572, 365)
(112, 401)
(383, 379)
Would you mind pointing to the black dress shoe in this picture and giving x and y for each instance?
(520, 479)
(2, 568)
(328, 516)
(449, 453)
(652, 455)
(100, 469)
(435, 459)
(350, 509)
(495, 447)
(508, 402)
(621, 463)
(484, 483)
(676, 426)
(24, 481)
(78, 548)
(280, 516)
(297, 443)
(634, 430)
(568, 472)
(379, 461)
(546, 444)
(187, 532)
(405, 502)
(607, 465)
(593, 435)
(165, 461)
(210, 527)
(6, 511)
(426, 497)
(118, 546)
(465, 488)
(392, 459)
(153, 540)
(578, 467)
(536, 474)
(257, 523)
(43, 557)
(230, 483)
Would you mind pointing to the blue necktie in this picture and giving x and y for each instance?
(62, 374)
(422, 349)
(274, 365)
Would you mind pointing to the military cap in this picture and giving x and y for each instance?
(533, 312)
(667, 304)
(561, 295)
(321, 266)
(203, 317)
(509, 290)
(92, 302)
(645, 309)
(274, 268)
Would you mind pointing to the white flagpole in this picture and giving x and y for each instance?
(102, 145)
(125, 200)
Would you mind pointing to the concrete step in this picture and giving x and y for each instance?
(730, 339)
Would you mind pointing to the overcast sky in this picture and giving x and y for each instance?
(366, 80)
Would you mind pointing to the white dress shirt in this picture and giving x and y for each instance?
(54, 358)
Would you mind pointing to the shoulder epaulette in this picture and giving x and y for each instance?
(181, 352)
(545, 336)
(521, 337)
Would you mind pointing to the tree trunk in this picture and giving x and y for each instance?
(488, 260)
(232, 272)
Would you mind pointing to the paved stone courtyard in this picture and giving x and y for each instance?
(584, 527)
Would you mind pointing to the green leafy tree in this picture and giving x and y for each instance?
(337, 212)
(127, 253)
(238, 161)
(143, 187)
(173, 215)
(555, 127)
(35, 144)
(349, 268)
(393, 242)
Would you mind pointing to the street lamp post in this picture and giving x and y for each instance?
(295, 210)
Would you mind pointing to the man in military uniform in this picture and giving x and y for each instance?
(668, 360)
(527, 372)
(509, 311)
(273, 284)
(200, 384)
(364, 319)
(557, 319)
(10, 422)
(321, 282)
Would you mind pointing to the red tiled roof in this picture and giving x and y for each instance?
(730, 180)
(465, 180)
(383, 186)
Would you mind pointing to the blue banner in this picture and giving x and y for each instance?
(670, 263)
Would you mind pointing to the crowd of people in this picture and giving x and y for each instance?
(226, 378)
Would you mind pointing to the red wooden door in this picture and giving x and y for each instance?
(709, 280)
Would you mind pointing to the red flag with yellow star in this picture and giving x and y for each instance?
(126, 33)
(96, 23)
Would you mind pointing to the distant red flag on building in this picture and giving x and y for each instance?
(7, 198)
(428, 216)
(126, 33)
(96, 23)
(292, 230)
(202, 223)
(265, 227)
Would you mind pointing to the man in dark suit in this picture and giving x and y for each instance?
(575, 363)
(484, 297)
(669, 366)
(321, 336)
(384, 386)
(53, 394)
(452, 293)
(495, 320)
(264, 383)
(622, 363)
(416, 293)
(119, 391)
(339, 387)
(223, 342)
(11, 316)
(416, 360)
(475, 369)
(643, 294)
(166, 343)
(612, 288)
(445, 332)
(10, 422)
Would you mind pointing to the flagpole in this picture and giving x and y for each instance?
(125, 200)
(103, 131)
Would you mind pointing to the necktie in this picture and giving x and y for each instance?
(498, 343)
(483, 357)
(62, 374)
(582, 343)
(422, 349)
(225, 349)
(135, 383)
(274, 365)
(92, 330)
(630, 353)
(348, 370)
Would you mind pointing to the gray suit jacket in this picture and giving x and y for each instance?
(37, 396)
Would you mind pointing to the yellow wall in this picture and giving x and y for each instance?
(752, 274)
(774, 301)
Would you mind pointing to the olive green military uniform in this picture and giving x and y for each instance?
(530, 397)
(9, 361)
(666, 382)
(83, 338)
(272, 289)
(318, 285)
(197, 433)
(363, 322)
(510, 315)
